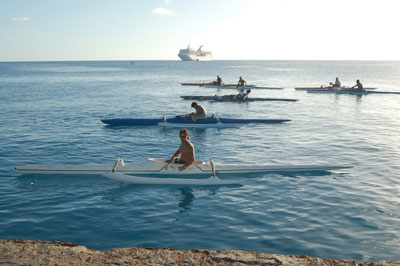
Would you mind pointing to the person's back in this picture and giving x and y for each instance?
(358, 85)
(337, 83)
(219, 81)
(200, 112)
(241, 83)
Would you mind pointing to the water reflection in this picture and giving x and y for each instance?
(186, 202)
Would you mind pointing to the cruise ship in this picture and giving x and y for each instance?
(189, 54)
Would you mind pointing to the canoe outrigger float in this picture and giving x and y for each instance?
(233, 98)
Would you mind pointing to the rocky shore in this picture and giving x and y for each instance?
(26, 252)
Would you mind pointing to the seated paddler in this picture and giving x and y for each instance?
(185, 150)
(200, 112)
(242, 95)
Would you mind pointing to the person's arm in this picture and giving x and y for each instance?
(176, 154)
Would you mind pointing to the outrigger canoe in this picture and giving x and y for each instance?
(162, 167)
(181, 119)
(325, 88)
(233, 98)
(227, 86)
(198, 83)
(353, 91)
(232, 86)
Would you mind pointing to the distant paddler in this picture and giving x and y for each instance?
(200, 112)
(337, 84)
(185, 150)
(358, 85)
(242, 95)
(241, 83)
(219, 81)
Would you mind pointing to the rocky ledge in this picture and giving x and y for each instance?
(26, 252)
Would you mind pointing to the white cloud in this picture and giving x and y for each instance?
(162, 11)
(167, 1)
(21, 19)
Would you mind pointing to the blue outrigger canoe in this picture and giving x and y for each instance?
(179, 119)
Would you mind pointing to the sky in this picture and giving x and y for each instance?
(57, 30)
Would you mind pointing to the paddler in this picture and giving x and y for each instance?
(219, 81)
(243, 95)
(200, 112)
(241, 83)
(337, 83)
(185, 150)
(358, 85)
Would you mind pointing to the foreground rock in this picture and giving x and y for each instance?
(25, 252)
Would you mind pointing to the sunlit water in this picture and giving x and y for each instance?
(50, 114)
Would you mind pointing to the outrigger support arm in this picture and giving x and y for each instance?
(213, 168)
(119, 160)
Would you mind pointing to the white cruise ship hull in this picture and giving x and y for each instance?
(189, 57)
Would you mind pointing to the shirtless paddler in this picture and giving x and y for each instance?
(186, 151)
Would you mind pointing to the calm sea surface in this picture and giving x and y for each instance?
(50, 114)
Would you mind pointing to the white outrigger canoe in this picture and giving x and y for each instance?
(160, 166)
(194, 125)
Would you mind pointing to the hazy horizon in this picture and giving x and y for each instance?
(103, 30)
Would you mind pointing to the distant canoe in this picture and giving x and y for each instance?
(233, 98)
(326, 88)
(183, 119)
(353, 91)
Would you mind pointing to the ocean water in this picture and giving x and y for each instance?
(50, 114)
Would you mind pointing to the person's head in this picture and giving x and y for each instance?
(184, 134)
(358, 81)
(337, 78)
(194, 104)
(248, 91)
(240, 77)
(217, 76)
